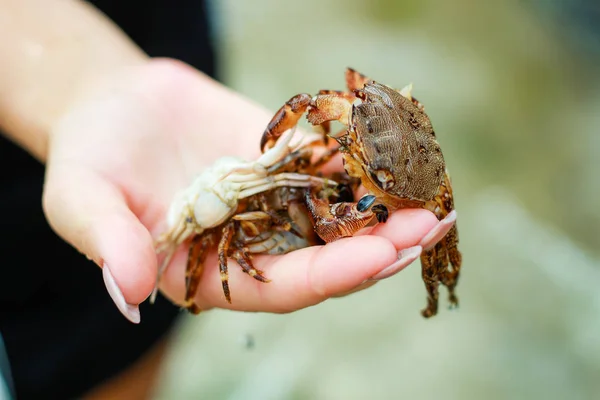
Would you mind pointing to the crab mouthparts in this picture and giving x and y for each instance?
(365, 202)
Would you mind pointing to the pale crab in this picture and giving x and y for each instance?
(389, 144)
(248, 207)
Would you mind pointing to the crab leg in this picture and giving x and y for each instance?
(270, 157)
(285, 179)
(178, 233)
(168, 243)
(279, 222)
(326, 125)
(224, 243)
(355, 80)
(272, 185)
(280, 242)
(429, 273)
(282, 223)
(302, 155)
(279, 151)
(450, 276)
(161, 270)
(194, 269)
(285, 118)
(328, 105)
(243, 259)
(435, 262)
(331, 106)
(444, 204)
(298, 212)
(336, 105)
(251, 216)
(258, 242)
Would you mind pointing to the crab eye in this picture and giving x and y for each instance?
(365, 203)
(383, 178)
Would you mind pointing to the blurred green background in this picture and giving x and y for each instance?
(513, 92)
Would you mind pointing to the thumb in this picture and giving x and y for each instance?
(91, 213)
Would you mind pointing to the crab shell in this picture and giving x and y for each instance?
(391, 143)
(209, 199)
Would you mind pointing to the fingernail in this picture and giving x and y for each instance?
(438, 231)
(405, 258)
(131, 312)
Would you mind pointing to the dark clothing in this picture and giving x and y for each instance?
(62, 332)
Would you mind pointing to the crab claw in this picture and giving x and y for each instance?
(338, 220)
(286, 118)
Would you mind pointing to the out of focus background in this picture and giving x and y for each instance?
(513, 91)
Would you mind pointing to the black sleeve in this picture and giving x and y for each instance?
(63, 335)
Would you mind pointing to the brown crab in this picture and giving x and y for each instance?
(390, 145)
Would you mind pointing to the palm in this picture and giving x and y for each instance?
(140, 146)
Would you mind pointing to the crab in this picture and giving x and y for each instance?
(388, 142)
(245, 208)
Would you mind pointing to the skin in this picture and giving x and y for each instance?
(80, 97)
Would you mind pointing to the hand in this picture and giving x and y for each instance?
(117, 157)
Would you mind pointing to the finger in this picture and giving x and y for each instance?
(92, 215)
(439, 231)
(365, 285)
(308, 276)
(405, 258)
(298, 279)
(405, 228)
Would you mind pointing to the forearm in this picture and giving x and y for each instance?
(49, 51)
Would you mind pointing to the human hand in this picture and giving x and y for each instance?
(117, 158)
